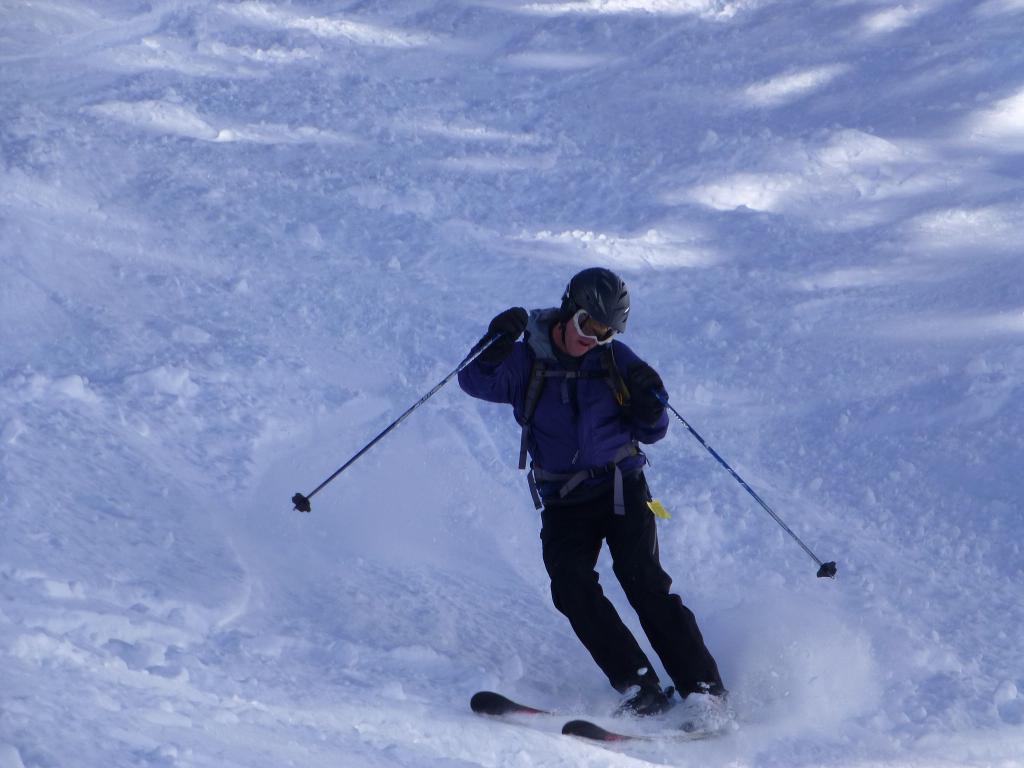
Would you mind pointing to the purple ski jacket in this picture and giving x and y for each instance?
(577, 424)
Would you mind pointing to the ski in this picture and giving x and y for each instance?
(494, 704)
(585, 729)
(588, 730)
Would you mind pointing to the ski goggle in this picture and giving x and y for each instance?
(591, 329)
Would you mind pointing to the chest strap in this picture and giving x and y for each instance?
(573, 480)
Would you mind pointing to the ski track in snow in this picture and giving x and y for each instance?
(238, 239)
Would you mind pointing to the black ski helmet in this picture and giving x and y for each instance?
(601, 293)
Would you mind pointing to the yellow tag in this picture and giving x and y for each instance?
(658, 509)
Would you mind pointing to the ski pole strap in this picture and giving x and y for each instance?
(572, 480)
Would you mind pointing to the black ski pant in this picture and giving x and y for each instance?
(571, 536)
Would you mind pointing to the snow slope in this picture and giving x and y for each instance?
(237, 239)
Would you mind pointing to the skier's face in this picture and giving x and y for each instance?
(576, 344)
(589, 328)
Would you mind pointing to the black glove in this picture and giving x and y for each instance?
(507, 326)
(645, 386)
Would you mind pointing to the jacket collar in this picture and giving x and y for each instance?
(538, 334)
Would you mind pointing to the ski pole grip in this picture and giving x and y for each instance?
(483, 344)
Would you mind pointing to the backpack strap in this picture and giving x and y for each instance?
(614, 377)
(529, 406)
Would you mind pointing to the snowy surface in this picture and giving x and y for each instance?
(237, 239)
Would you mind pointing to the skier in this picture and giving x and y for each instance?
(585, 401)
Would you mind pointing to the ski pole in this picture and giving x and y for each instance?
(301, 501)
(825, 570)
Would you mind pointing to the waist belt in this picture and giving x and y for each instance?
(572, 480)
